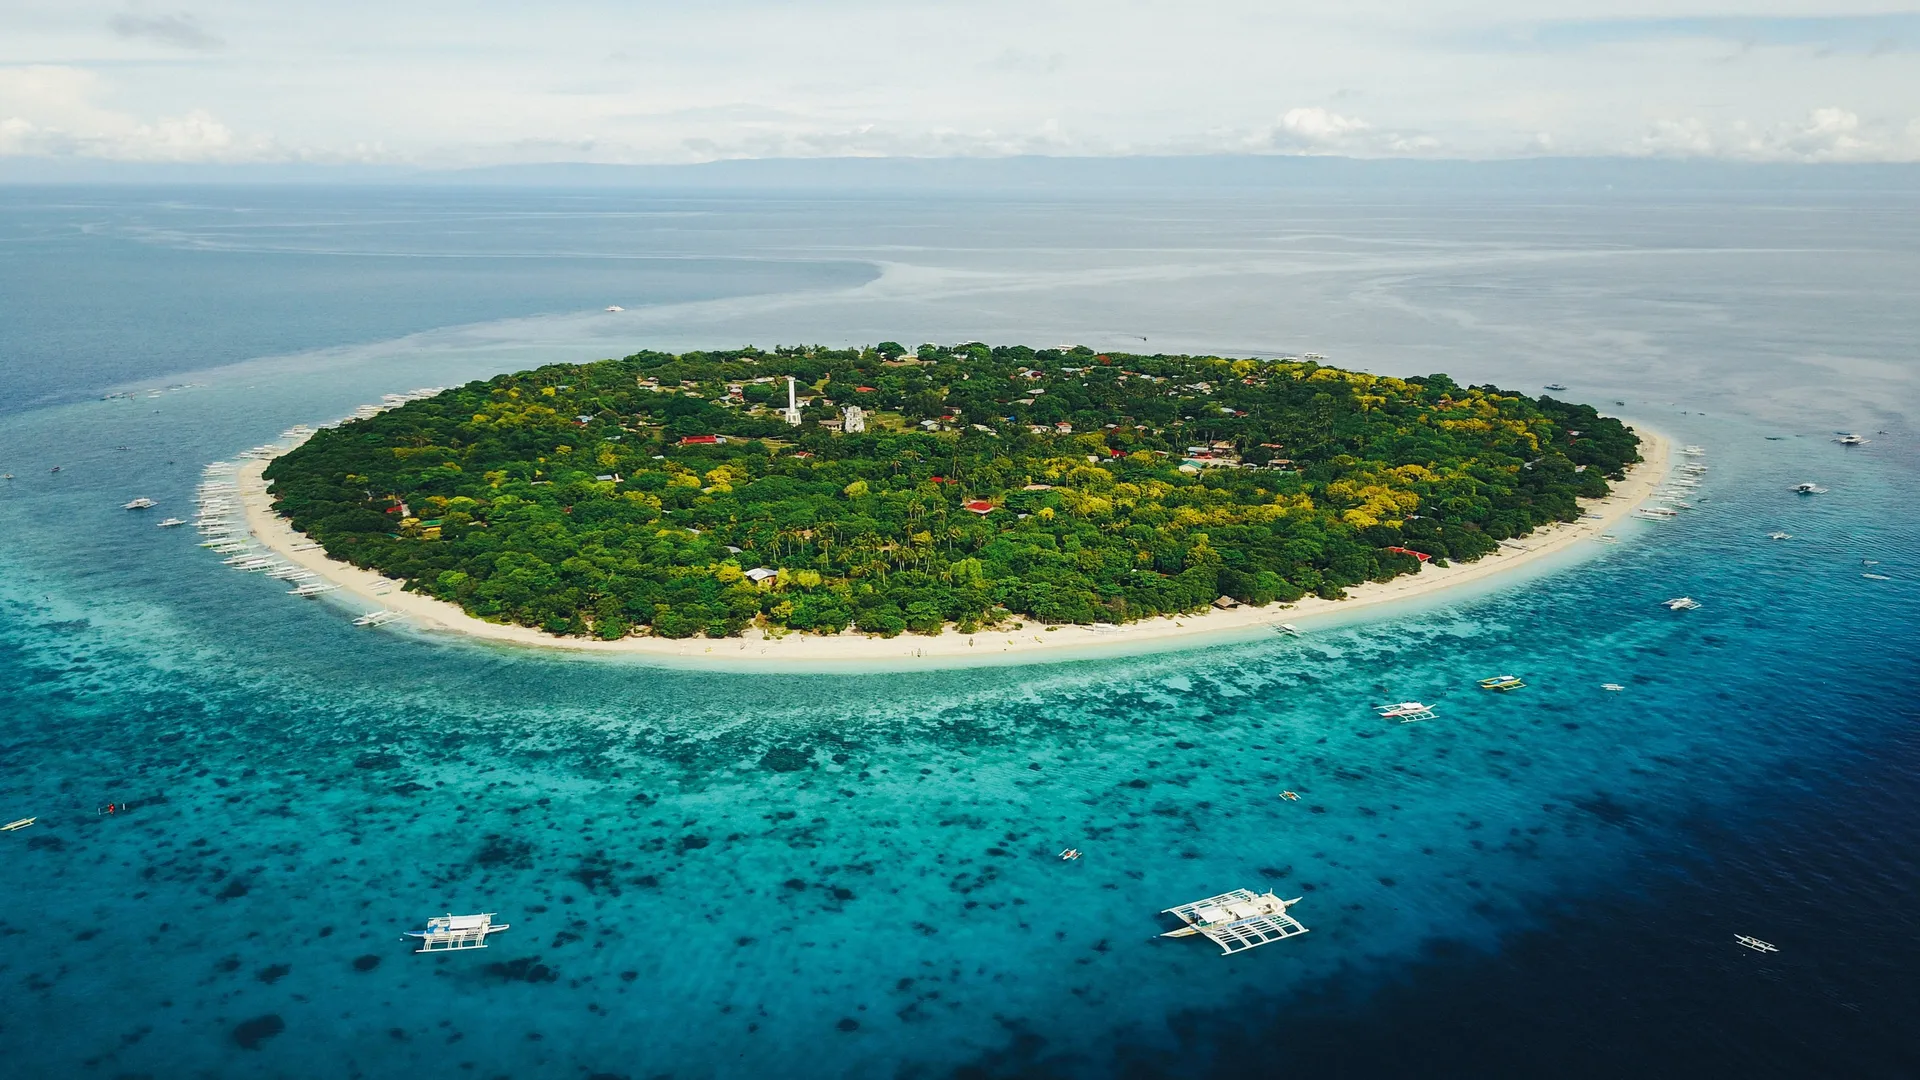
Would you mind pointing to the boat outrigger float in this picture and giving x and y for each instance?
(450, 932)
(1238, 921)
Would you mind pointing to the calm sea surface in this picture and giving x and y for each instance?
(848, 874)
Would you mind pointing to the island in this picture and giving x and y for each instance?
(971, 488)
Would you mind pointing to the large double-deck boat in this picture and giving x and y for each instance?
(450, 932)
(1238, 920)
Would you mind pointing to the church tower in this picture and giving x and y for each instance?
(793, 405)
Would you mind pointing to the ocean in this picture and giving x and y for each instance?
(852, 873)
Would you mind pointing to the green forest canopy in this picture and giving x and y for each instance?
(669, 495)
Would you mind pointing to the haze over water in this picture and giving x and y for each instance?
(851, 874)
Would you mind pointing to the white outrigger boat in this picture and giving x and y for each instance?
(1809, 489)
(1405, 711)
(142, 503)
(1755, 943)
(450, 932)
(20, 824)
(1237, 921)
(170, 523)
(1681, 603)
(377, 618)
(1287, 628)
(313, 589)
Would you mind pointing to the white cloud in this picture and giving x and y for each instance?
(647, 80)
(1687, 137)
(1825, 134)
(1828, 134)
(1320, 127)
(1311, 129)
(55, 111)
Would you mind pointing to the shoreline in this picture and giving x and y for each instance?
(1067, 642)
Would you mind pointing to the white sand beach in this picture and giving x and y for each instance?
(372, 592)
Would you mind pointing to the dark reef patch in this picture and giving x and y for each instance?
(527, 969)
(787, 759)
(249, 1034)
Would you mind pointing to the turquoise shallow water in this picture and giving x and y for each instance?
(852, 875)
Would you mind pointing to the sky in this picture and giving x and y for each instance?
(439, 84)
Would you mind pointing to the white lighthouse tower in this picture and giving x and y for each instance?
(793, 406)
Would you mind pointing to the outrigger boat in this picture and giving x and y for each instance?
(1613, 686)
(1502, 683)
(1779, 536)
(1237, 921)
(450, 932)
(171, 522)
(1755, 943)
(139, 504)
(1681, 603)
(1809, 489)
(1070, 854)
(376, 618)
(1876, 577)
(1288, 629)
(1405, 711)
(20, 824)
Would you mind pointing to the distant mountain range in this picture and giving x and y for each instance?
(1028, 173)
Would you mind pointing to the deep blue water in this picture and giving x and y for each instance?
(1541, 883)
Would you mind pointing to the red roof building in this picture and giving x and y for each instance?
(699, 440)
(978, 506)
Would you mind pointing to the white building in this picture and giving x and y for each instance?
(856, 418)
